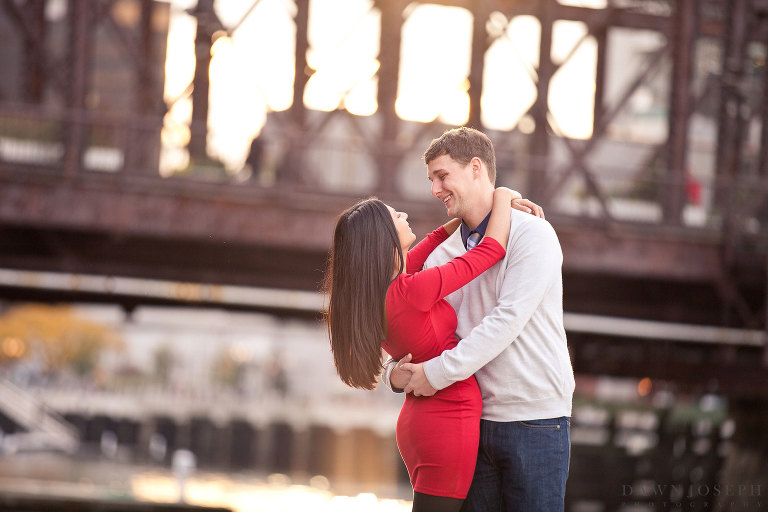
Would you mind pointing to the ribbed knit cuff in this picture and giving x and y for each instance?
(435, 373)
(389, 365)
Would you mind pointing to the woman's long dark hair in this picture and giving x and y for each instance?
(360, 269)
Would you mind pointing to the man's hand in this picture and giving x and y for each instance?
(398, 378)
(418, 385)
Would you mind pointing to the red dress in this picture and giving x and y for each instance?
(438, 435)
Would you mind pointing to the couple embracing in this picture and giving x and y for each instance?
(472, 320)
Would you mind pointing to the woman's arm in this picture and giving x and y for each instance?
(452, 225)
(422, 289)
(498, 224)
(418, 254)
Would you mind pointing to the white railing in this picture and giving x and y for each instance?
(43, 428)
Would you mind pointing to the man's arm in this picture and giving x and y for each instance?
(534, 263)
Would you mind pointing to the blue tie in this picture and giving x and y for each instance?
(473, 239)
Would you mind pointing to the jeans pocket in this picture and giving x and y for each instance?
(547, 424)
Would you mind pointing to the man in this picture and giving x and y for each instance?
(510, 322)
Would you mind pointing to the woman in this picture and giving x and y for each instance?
(379, 298)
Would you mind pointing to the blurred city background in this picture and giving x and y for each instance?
(170, 173)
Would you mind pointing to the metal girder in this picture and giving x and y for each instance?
(684, 20)
(250, 215)
(603, 121)
(653, 255)
(699, 369)
(480, 45)
(765, 348)
(129, 42)
(207, 24)
(763, 158)
(732, 99)
(291, 169)
(622, 18)
(137, 46)
(301, 68)
(146, 100)
(601, 38)
(30, 19)
(734, 301)
(182, 230)
(80, 55)
(387, 157)
(176, 208)
(537, 178)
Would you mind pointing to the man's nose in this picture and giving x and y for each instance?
(435, 188)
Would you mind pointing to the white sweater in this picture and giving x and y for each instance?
(510, 322)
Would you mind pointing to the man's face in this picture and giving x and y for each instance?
(453, 183)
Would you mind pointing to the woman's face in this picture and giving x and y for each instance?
(404, 233)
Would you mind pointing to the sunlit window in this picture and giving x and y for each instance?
(572, 89)
(510, 69)
(435, 60)
(263, 39)
(343, 49)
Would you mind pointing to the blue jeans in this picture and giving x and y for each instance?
(522, 466)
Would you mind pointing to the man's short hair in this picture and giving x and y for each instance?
(463, 144)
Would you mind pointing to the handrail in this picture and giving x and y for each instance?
(34, 416)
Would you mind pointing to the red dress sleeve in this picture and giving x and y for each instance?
(419, 253)
(423, 289)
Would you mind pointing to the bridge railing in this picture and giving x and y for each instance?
(67, 141)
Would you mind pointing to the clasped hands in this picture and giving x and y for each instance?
(410, 377)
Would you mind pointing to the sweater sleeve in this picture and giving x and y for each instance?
(421, 251)
(534, 263)
(423, 289)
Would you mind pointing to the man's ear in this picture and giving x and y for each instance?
(477, 166)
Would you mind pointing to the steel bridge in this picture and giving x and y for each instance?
(650, 234)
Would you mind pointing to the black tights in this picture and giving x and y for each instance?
(429, 503)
